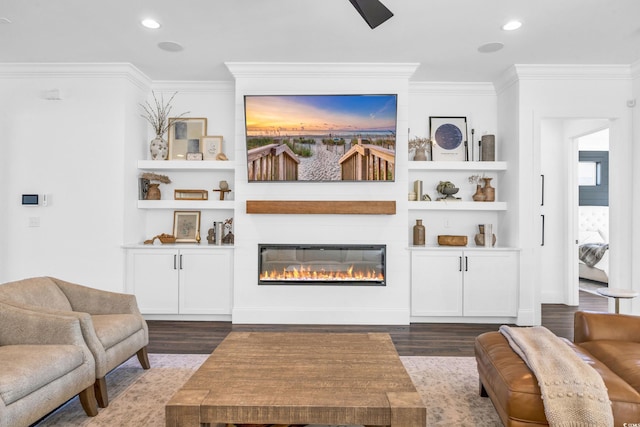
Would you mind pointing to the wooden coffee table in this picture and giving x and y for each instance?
(300, 378)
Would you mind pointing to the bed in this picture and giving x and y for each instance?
(593, 243)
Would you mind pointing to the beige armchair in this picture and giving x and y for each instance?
(111, 323)
(44, 362)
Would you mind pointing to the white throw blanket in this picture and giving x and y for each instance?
(573, 393)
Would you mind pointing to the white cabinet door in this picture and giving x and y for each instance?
(436, 283)
(152, 276)
(205, 281)
(490, 283)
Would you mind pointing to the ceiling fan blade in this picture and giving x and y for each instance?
(374, 12)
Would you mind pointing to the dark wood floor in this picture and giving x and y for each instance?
(417, 339)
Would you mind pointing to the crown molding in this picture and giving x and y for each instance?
(572, 72)
(218, 86)
(320, 69)
(531, 72)
(75, 70)
(453, 88)
(507, 79)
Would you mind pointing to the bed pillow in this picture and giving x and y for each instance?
(604, 234)
(589, 237)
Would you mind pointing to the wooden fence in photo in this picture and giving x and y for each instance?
(368, 163)
(273, 162)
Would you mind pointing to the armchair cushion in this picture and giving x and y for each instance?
(112, 328)
(27, 368)
(44, 361)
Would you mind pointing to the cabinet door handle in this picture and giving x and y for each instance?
(542, 192)
(542, 242)
(459, 263)
(180, 261)
(466, 264)
(174, 262)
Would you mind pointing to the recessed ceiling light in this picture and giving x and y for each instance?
(150, 23)
(512, 25)
(170, 46)
(490, 47)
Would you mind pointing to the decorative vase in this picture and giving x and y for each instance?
(488, 148)
(419, 233)
(154, 192)
(489, 191)
(479, 238)
(421, 154)
(158, 148)
(479, 196)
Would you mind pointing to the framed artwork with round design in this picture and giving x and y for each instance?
(449, 136)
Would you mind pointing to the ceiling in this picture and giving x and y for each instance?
(442, 35)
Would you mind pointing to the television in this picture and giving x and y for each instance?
(322, 138)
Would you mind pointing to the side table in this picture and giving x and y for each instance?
(617, 294)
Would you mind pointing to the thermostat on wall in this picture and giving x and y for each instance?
(30, 200)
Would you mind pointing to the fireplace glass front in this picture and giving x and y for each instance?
(340, 265)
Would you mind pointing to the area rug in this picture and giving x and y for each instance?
(448, 386)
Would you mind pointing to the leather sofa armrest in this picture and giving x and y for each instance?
(21, 326)
(96, 301)
(590, 326)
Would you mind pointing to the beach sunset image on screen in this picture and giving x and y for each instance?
(320, 137)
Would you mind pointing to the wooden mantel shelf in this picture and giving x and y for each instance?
(367, 207)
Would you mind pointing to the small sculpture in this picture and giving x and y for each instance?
(228, 238)
(447, 189)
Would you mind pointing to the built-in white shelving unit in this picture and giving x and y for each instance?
(458, 166)
(457, 206)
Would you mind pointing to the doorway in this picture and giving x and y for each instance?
(559, 206)
(593, 210)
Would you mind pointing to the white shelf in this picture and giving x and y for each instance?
(186, 165)
(470, 246)
(186, 204)
(458, 206)
(157, 245)
(462, 166)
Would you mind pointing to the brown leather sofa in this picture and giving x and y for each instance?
(608, 342)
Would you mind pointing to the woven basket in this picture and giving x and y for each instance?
(446, 240)
(167, 239)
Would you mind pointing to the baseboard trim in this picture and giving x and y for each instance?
(320, 316)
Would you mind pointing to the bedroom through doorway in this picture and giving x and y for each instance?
(593, 211)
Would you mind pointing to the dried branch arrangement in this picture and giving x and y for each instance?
(158, 114)
(156, 177)
(418, 142)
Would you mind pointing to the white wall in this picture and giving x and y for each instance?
(549, 92)
(634, 112)
(326, 304)
(83, 151)
(558, 159)
(72, 149)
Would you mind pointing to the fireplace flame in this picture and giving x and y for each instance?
(303, 273)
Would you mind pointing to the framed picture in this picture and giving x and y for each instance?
(190, 194)
(186, 226)
(449, 136)
(184, 136)
(211, 146)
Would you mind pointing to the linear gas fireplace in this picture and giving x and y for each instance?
(340, 265)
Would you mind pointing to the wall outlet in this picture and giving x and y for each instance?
(34, 221)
